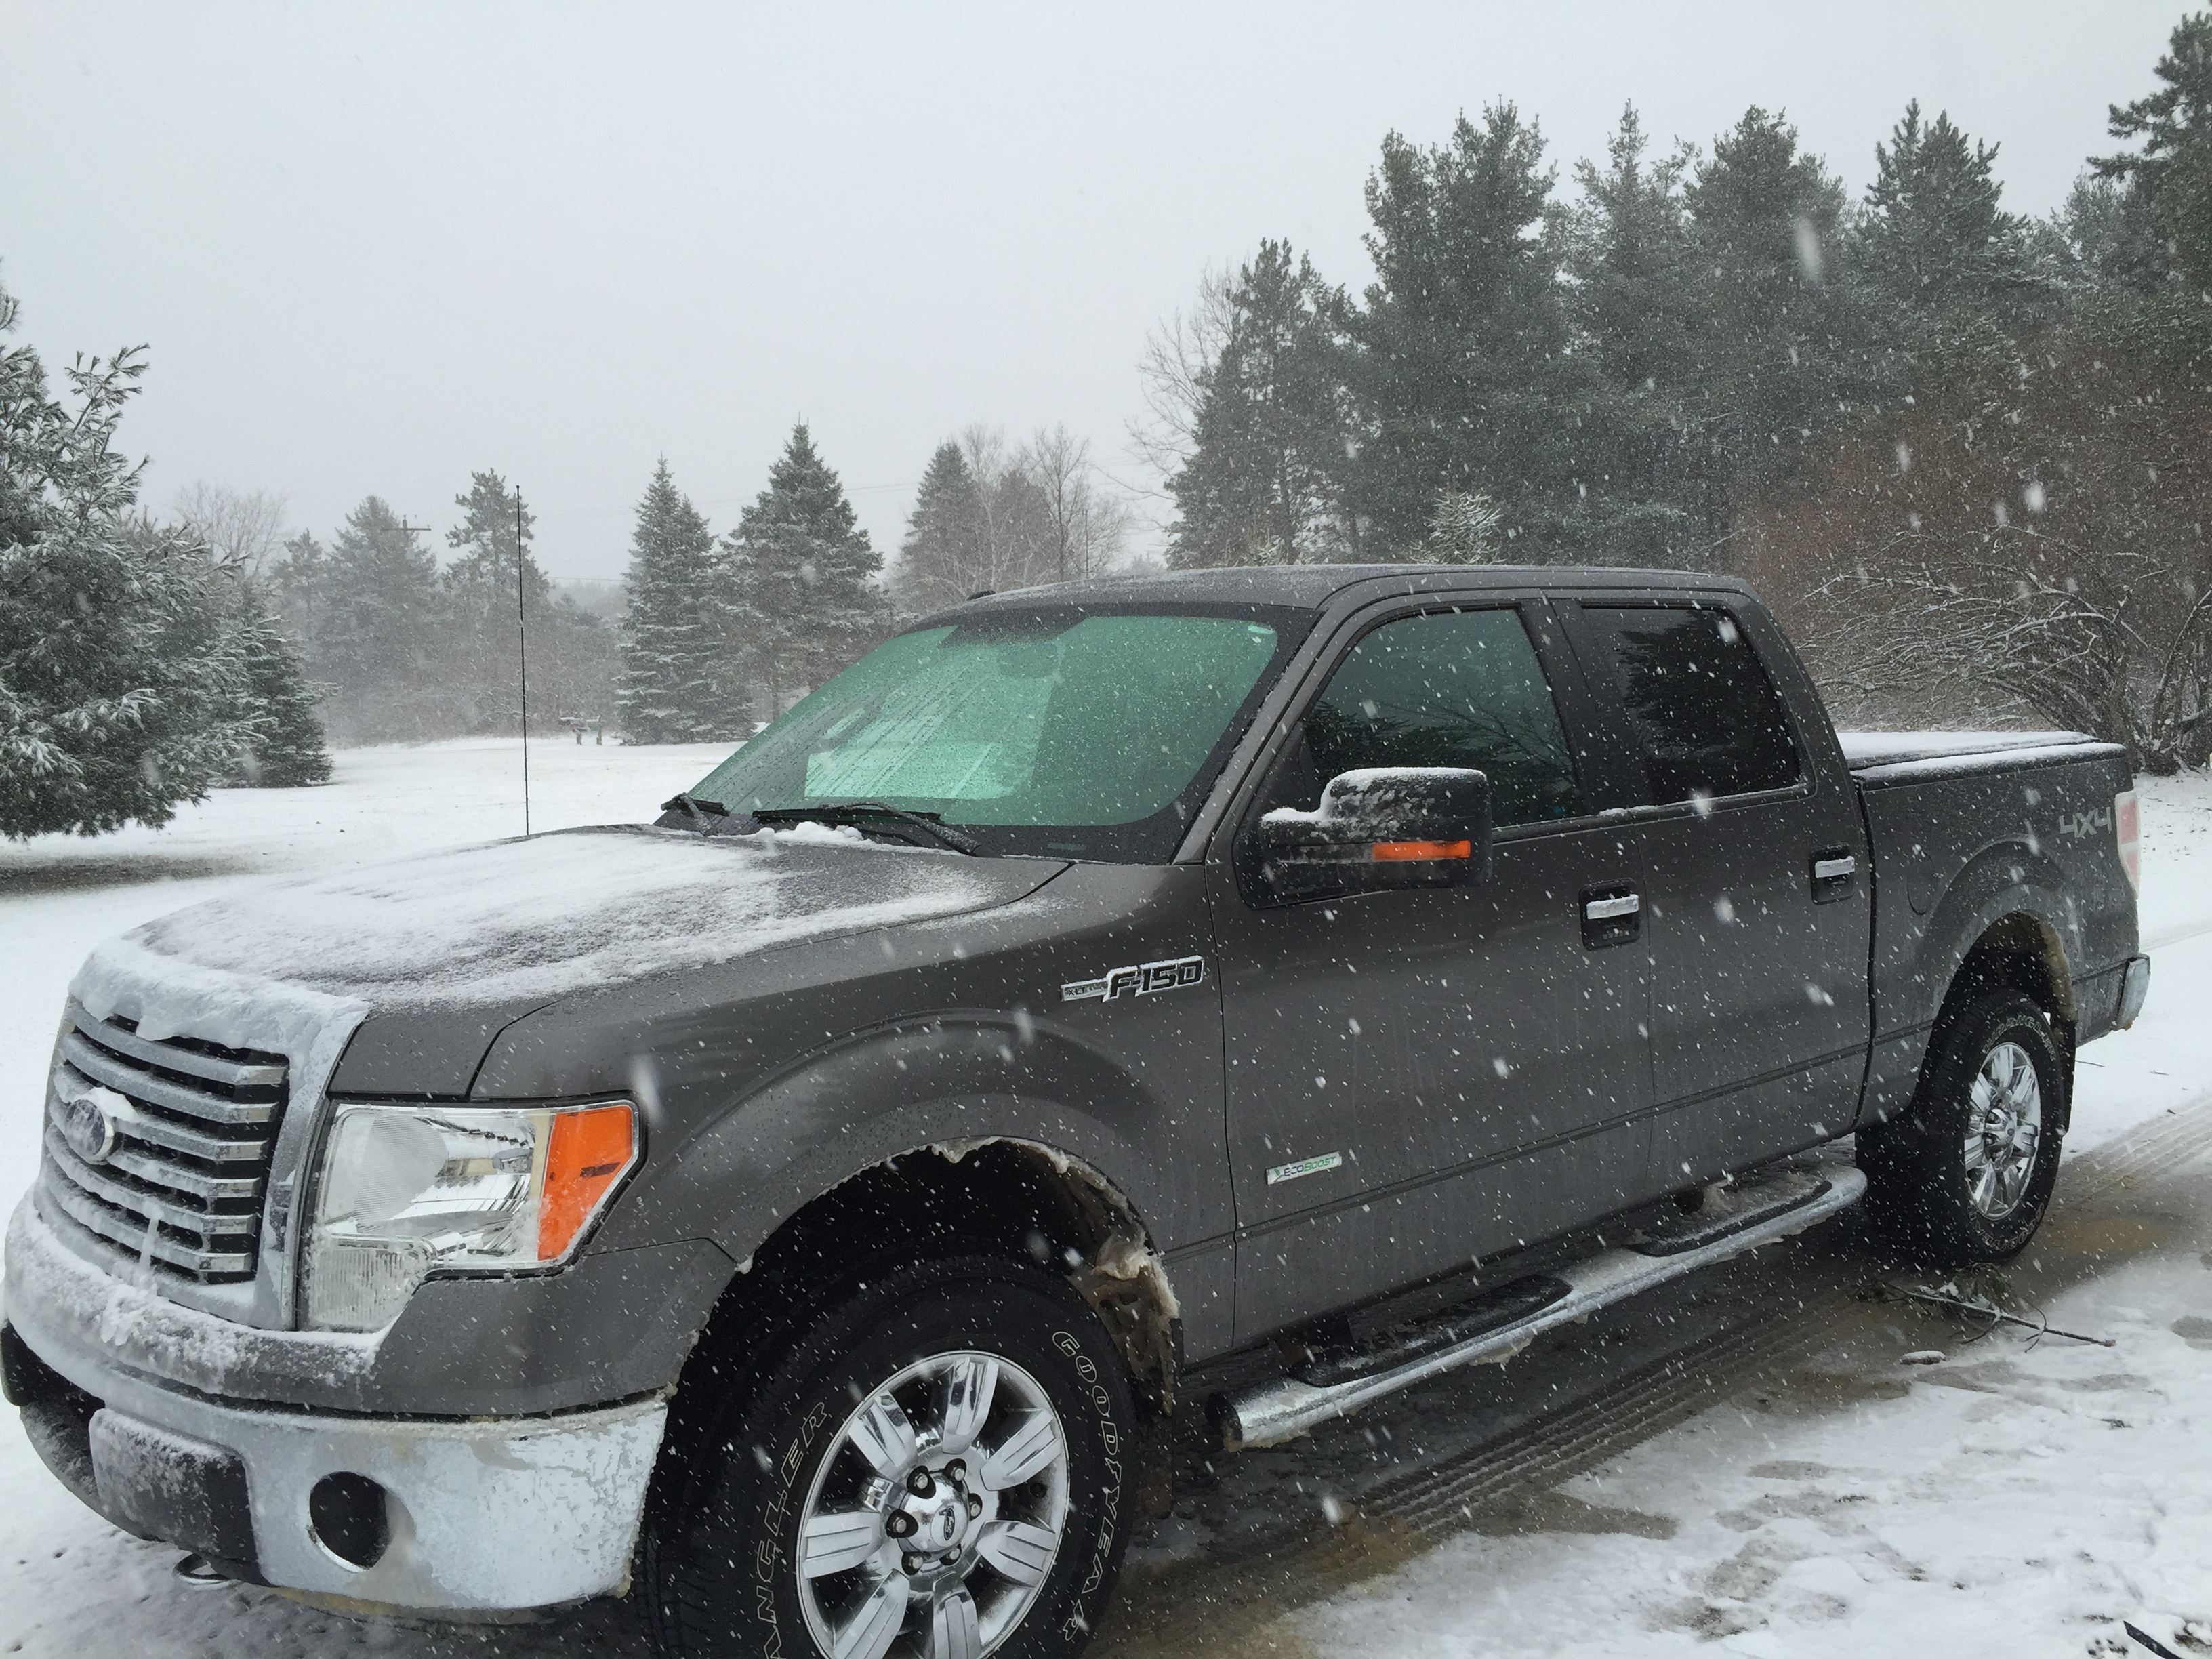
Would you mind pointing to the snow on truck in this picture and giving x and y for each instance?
(810, 1214)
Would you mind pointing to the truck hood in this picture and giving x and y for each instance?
(461, 942)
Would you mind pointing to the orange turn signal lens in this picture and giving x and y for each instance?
(589, 1151)
(1390, 851)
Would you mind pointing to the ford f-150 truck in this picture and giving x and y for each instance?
(810, 1213)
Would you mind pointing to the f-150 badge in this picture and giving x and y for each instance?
(1142, 979)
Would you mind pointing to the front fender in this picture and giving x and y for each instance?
(954, 1077)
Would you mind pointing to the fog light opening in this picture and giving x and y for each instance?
(349, 1519)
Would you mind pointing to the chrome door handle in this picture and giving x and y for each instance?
(1835, 874)
(1612, 916)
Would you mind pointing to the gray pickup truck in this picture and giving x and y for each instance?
(810, 1214)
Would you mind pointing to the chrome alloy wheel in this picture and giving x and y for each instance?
(937, 1514)
(2004, 1130)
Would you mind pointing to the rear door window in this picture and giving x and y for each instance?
(1704, 713)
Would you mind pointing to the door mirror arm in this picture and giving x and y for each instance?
(1376, 829)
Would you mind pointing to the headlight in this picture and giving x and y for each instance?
(406, 1189)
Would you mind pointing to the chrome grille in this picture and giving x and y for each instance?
(187, 1127)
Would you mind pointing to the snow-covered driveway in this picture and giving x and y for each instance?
(1815, 1496)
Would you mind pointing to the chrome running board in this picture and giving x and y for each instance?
(1743, 1217)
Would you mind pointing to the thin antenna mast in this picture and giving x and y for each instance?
(522, 648)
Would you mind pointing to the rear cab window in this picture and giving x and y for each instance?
(1702, 714)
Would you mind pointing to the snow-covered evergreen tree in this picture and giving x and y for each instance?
(287, 750)
(571, 657)
(377, 638)
(1933, 239)
(1632, 298)
(678, 681)
(944, 557)
(1265, 480)
(800, 595)
(1464, 529)
(121, 680)
(484, 661)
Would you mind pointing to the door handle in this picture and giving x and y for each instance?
(1835, 875)
(1612, 916)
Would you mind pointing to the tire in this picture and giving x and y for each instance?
(1965, 1176)
(796, 1514)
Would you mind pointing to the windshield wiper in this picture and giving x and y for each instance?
(706, 817)
(854, 811)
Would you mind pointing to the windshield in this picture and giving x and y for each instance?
(1063, 732)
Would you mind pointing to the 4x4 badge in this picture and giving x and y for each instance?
(1142, 979)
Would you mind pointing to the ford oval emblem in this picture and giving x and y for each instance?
(86, 1124)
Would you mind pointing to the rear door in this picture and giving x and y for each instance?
(1752, 865)
(1417, 1077)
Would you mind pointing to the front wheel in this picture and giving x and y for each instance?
(936, 1469)
(1966, 1175)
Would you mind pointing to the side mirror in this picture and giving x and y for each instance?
(1379, 827)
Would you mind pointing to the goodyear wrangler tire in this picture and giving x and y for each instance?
(1966, 1174)
(938, 1467)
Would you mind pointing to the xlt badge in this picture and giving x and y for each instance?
(1142, 979)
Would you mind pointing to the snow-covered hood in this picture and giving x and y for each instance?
(295, 968)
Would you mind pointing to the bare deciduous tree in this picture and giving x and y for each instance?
(1170, 372)
(246, 527)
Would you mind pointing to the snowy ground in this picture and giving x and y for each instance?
(2003, 1500)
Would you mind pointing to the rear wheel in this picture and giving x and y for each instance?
(1966, 1175)
(934, 1470)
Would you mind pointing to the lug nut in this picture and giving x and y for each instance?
(957, 1470)
(901, 1525)
(919, 1484)
(974, 1506)
(909, 1564)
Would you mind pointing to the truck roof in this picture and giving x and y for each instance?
(1311, 586)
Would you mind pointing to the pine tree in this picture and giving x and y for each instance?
(676, 683)
(1766, 221)
(1628, 251)
(946, 554)
(492, 549)
(1463, 530)
(121, 680)
(2172, 171)
(1463, 375)
(377, 639)
(1933, 240)
(800, 596)
(299, 582)
(287, 750)
(1265, 482)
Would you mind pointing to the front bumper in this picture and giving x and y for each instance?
(463, 1516)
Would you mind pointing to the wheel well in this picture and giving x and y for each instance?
(2019, 952)
(1009, 1197)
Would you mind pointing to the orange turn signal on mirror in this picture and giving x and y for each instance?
(1392, 851)
(589, 1153)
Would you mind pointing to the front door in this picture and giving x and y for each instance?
(1752, 865)
(1416, 1079)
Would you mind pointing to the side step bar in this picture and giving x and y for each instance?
(1758, 1213)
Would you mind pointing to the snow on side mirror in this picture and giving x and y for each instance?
(1380, 828)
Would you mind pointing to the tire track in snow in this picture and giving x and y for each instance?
(1232, 1599)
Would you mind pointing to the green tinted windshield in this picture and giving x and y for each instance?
(1067, 732)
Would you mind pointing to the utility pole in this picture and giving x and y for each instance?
(522, 652)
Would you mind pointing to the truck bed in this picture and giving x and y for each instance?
(1955, 754)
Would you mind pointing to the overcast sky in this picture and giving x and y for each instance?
(374, 247)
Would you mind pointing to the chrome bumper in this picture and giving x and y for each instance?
(480, 1516)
